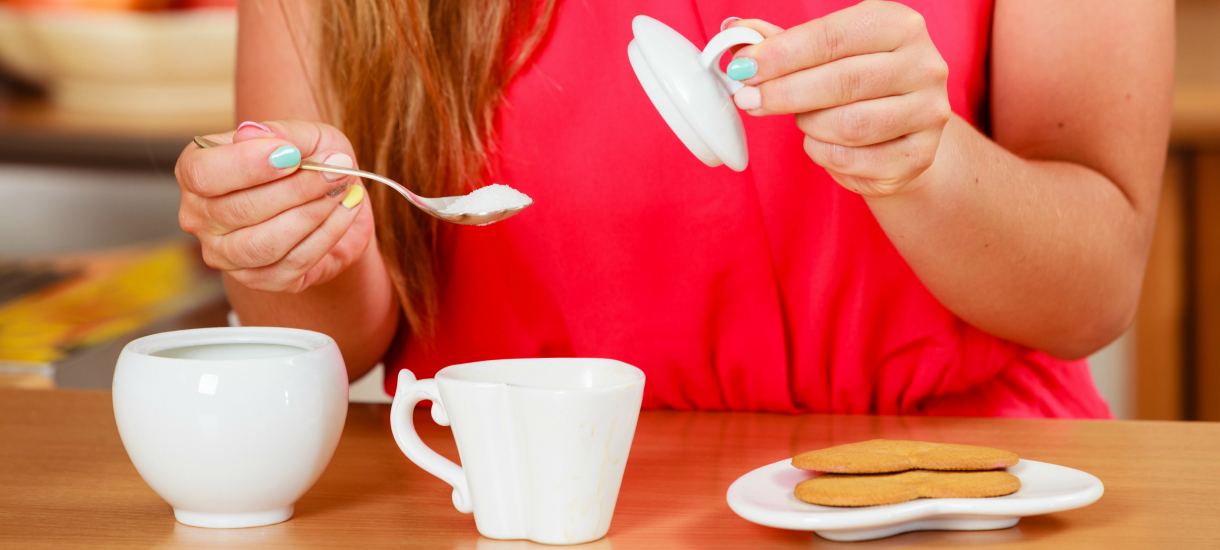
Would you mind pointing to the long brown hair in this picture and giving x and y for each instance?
(415, 85)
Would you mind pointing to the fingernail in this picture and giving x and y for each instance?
(338, 159)
(285, 157)
(354, 196)
(742, 68)
(748, 98)
(254, 124)
(724, 25)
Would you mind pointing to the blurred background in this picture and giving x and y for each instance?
(98, 97)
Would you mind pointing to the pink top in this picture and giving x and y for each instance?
(773, 289)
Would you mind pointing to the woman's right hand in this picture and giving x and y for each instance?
(264, 222)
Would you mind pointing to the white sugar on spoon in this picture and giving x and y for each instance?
(436, 207)
(492, 198)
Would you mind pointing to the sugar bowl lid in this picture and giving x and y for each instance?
(690, 91)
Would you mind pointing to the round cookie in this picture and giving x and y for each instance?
(886, 455)
(877, 489)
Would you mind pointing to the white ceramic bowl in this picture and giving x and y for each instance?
(231, 425)
(139, 63)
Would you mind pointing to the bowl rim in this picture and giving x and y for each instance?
(307, 340)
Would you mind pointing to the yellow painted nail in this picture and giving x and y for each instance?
(354, 196)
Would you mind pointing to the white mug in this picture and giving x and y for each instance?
(543, 442)
(231, 425)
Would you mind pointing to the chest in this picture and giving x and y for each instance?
(579, 102)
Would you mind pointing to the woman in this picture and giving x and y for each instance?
(959, 210)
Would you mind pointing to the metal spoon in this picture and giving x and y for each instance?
(432, 206)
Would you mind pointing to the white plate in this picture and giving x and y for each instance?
(764, 496)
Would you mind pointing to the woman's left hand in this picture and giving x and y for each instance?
(866, 84)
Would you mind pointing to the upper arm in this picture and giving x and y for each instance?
(275, 61)
(1088, 82)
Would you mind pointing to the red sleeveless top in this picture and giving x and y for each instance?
(772, 289)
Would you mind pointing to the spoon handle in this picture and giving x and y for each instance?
(319, 167)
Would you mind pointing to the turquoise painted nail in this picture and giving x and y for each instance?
(285, 157)
(742, 68)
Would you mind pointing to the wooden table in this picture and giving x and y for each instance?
(66, 482)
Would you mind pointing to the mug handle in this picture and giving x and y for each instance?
(720, 44)
(410, 392)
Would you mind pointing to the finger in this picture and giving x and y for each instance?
(190, 215)
(267, 243)
(211, 252)
(885, 166)
(295, 271)
(212, 176)
(252, 130)
(310, 137)
(347, 251)
(845, 81)
(228, 167)
(764, 28)
(247, 207)
(868, 27)
(876, 120)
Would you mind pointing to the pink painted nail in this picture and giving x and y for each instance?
(748, 98)
(338, 159)
(254, 124)
(725, 24)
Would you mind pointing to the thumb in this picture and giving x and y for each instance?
(308, 136)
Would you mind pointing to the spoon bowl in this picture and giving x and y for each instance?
(433, 207)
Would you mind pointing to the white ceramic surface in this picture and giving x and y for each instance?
(543, 442)
(173, 62)
(764, 496)
(690, 91)
(231, 437)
